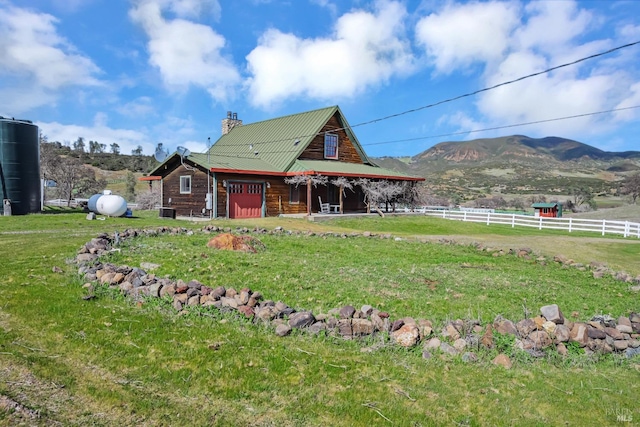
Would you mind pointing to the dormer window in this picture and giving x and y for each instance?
(330, 146)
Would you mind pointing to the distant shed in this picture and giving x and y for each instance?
(547, 210)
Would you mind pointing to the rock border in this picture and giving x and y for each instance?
(549, 330)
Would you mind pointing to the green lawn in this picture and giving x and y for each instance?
(107, 361)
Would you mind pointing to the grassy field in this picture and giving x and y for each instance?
(105, 361)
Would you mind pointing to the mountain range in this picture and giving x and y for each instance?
(517, 164)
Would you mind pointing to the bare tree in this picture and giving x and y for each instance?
(631, 187)
(73, 179)
(379, 192)
(148, 200)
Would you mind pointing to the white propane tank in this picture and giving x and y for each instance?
(108, 204)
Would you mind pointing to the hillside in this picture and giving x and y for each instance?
(517, 164)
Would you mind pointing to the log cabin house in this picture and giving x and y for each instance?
(243, 173)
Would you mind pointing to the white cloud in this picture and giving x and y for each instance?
(186, 53)
(140, 107)
(327, 4)
(462, 34)
(510, 43)
(193, 8)
(364, 50)
(632, 100)
(552, 26)
(127, 139)
(37, 60)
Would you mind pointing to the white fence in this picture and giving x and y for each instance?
(603, 226)
(74, 203)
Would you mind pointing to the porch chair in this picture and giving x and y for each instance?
(325, 208)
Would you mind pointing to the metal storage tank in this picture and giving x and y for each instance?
(19, 167)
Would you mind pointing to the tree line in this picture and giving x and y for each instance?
(68, 166)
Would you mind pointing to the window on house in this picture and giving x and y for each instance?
(330, 146)
(294, 194)
(185, 184)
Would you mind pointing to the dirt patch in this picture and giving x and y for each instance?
(229, 242)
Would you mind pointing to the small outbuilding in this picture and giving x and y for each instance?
(547, 210)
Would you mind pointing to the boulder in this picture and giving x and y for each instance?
(447, 348)
(344, 328)
(540, 339)
(229, 302)
(562, 349)
(432, 344)
(407, 335)
(552, 313)
(525, 327)
(266, 313)
(451, 331)
(317, 327)
(154, 290)
(487, 338)
(620, 345)
(594, 333)
(502, 360)
(283, 330)
(579, 334)
(505, 326)
(549, 327)
(397, 325)
(247, 311)
(459, 344)
(347, 312)
(218, 292)
(301, 319)
(362, 327)
(469, 357)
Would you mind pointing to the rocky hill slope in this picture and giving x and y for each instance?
(517, 164)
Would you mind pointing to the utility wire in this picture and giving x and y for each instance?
(455, 133)
(548, 70)
(505, 126)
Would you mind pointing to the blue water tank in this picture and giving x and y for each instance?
(19, 166)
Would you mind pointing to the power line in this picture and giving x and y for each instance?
(413, 110)
(505, 126)
(575, 116)
(548, 70)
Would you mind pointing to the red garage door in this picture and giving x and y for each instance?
(245, 200)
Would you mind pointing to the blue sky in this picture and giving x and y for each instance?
(141, 72)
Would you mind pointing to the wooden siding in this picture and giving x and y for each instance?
(276, 197)
(346, 150)
(184, 204)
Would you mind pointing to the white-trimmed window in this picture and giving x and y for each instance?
(330, 146)
(185, 184)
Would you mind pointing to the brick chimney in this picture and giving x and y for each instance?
(230, 122)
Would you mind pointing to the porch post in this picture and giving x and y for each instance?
(341, 190)
(309, 196)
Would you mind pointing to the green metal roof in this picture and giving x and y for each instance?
(232, 163)
(544, 205)
(273, 141)
(273, 146)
